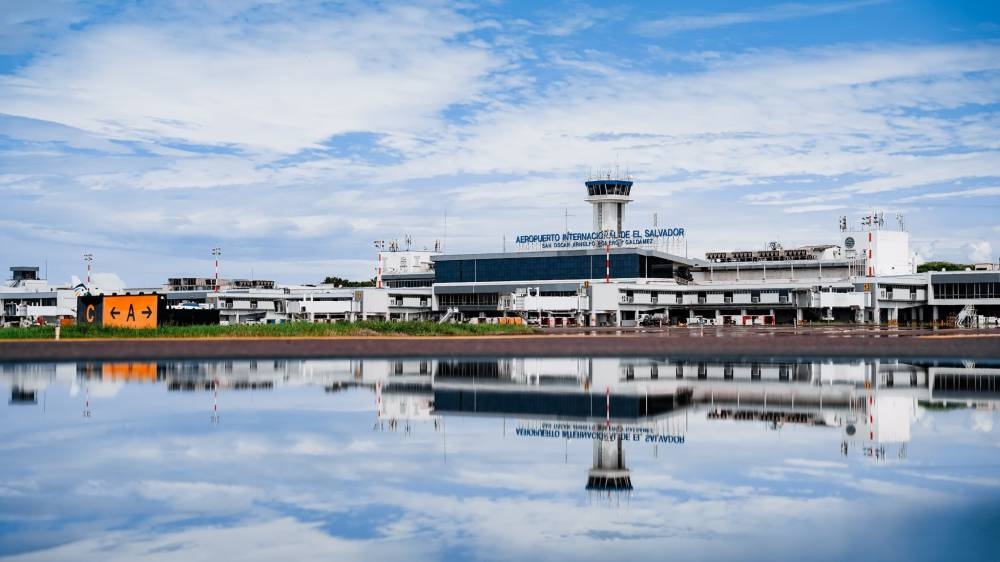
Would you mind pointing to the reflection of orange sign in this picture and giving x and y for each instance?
(130, 311)
(129, 371)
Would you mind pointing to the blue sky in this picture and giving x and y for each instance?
(294, 134)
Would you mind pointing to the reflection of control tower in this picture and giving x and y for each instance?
(608, 193)
(609, 472)
(20, 395)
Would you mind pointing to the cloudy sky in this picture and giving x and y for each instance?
(294, 134)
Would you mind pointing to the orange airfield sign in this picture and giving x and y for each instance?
(130, 311)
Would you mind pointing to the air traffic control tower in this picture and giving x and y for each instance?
(609, 193)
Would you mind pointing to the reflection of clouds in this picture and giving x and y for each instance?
(289, 481)
(198, 496)
(521, 528)
(699, 487)
(835, 475)
(279, 539)
(982, 421)
(361, 446)
(966, 479)
(105, 389)
(898, 491)
(816, 463)
(312, 446)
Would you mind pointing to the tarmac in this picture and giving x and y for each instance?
(727, 342)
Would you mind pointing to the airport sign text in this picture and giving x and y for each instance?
(598, 239)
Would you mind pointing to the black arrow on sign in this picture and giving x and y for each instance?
(148, 312)
(114, 312)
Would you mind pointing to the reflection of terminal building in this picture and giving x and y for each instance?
(865, 405)
(868, 404)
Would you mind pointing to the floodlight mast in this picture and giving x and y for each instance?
(216, 252)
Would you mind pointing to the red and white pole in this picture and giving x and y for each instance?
(871, 418)
(378, 278)
(607, 263)
(215, 401)
(871, 269)
(86, 403)
(216, 252)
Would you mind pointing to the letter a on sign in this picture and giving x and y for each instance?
(130, 311)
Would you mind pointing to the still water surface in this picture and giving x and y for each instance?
(586, 459)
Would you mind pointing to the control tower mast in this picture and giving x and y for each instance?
(609, 192)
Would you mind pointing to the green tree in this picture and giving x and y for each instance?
(341, 282)
(939, 265)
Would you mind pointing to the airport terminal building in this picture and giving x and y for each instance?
(619, 277)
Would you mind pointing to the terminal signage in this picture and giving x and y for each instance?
(577, 240)
(130, 311)
(636, 434)
(118, 311)
(89, 310)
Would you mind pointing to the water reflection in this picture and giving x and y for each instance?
(287, 440)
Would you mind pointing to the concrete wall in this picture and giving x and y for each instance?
(841, 300)
(890, 252)
(555, 304)
(605, 296)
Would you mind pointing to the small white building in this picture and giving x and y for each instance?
(26, 299)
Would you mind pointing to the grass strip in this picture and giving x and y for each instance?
(286, 330)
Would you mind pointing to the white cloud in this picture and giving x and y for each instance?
(743, 120)
(778, 12)
(280, 87)
(27, 23)
(812, 208)
(975, 192)
(981, 251)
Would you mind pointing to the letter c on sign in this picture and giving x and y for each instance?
(89, 314)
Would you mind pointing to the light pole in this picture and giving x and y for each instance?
(380, 245)
(216, 252)
(88, 258)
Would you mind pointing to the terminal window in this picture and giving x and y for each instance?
(967, 290)
(550, 268)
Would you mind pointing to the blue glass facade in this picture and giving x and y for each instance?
(609, 187)
(545, 268)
